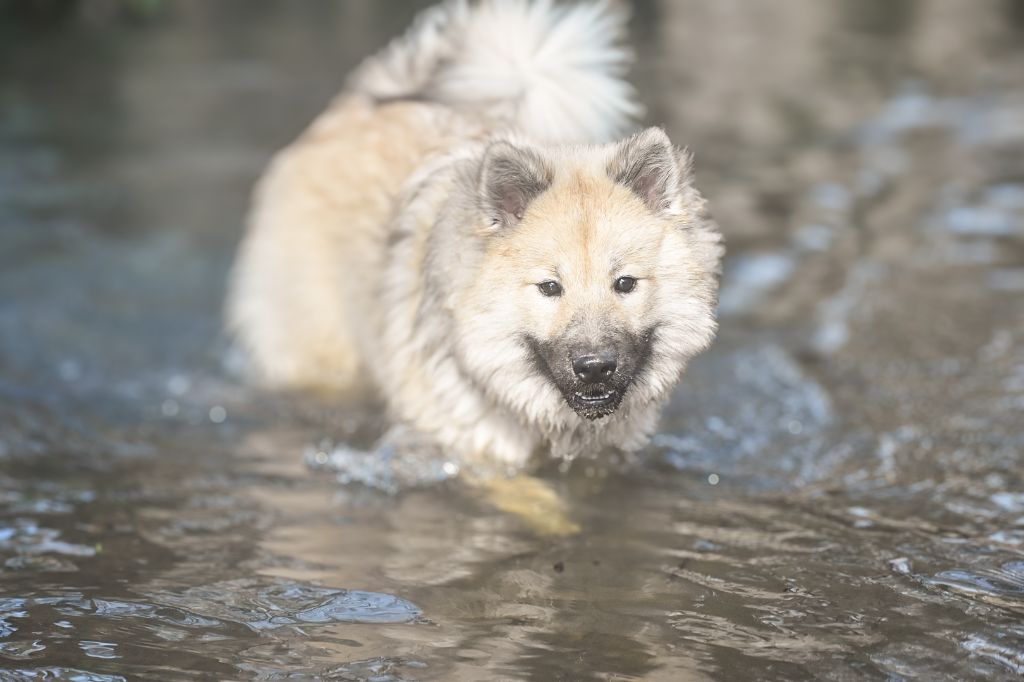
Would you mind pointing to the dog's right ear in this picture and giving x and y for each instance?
(650, 166)
(510, 178)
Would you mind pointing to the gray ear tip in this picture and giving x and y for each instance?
(494, 149)
(654, 134)
(502, 149)
(497, 145)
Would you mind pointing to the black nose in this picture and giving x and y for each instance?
(594, 368)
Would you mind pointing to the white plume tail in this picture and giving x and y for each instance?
(553, 72)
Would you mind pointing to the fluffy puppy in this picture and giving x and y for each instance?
(464, 233)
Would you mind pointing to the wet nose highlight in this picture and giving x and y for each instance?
(594, 367)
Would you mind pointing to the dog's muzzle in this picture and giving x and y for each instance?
(592, 379)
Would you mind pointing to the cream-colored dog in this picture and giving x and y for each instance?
(460, 234)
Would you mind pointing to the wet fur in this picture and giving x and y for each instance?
(396, 248)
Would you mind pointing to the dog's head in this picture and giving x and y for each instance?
(596, 279)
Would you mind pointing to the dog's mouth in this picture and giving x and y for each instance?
(594, 402)
(600, 398)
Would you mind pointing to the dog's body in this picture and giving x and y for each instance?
(452, 235)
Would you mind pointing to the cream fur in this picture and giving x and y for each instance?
(369, 263)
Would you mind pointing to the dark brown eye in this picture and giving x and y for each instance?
(550, 288)
(624, 285)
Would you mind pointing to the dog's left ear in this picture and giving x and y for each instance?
(649, 165)
(511, 176)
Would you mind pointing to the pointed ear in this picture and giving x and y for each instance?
(511, 177)
(649, 165)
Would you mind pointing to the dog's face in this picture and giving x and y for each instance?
(598, 276)
(586, 259)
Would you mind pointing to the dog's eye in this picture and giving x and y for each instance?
(624, 285)
(550, 288)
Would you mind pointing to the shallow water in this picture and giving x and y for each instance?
(836, 491)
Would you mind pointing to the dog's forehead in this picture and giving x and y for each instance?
(585, 209)
(573, 200)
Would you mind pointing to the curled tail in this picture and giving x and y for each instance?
(553, 72)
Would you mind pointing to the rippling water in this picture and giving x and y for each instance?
(835, 493)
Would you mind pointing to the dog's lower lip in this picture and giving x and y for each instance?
(596, 398)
